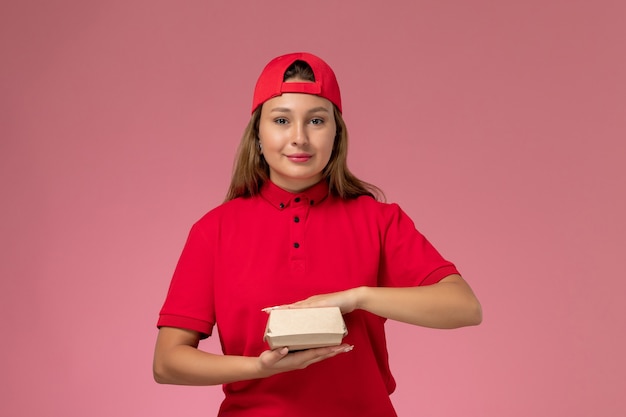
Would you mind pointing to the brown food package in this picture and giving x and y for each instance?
(305, 328)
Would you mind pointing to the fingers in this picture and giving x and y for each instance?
(300, 304)
(304, 358)
(268, 309)
(323, 300)
(280, 360)
(312, 356)
(270, 358)
(346, 300)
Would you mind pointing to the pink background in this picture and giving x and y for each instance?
(498, 126)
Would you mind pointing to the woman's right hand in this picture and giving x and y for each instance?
(177, 360)
(279, 360)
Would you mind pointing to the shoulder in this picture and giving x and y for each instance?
(370, 204)
(232, 209)
(372, 209)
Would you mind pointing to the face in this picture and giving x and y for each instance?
(297, 133)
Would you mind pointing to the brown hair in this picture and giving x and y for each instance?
(251, 170)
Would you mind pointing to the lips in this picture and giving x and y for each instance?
(299, 157)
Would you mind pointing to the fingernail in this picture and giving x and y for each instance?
(345, 349)
(268, 309)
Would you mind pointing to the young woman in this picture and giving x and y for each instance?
(298, 229)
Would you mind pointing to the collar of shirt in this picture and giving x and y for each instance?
(280, 198)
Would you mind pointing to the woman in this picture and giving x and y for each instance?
(299, 230)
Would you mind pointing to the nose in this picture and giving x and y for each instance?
(300, 136)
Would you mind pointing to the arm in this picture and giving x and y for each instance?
(450, 303)
(177, 360)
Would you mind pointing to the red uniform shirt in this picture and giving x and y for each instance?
(278, 248)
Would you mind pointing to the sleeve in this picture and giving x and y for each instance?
(408, 258)
(190, 303)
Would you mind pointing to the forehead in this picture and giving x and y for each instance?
(297, 102)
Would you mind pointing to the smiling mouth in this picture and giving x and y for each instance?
(299, 157)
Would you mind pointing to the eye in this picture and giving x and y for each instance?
(317, 121)
(280, 121)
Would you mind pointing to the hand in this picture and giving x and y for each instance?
(347, 301)
(279, 360)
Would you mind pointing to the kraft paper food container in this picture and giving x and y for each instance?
(305, 328)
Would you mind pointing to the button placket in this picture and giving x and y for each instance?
(298, 213)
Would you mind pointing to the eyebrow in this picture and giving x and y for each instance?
(288, 110)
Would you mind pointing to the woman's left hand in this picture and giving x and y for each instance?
(347, 301)
(448, 304)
